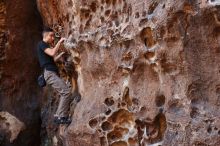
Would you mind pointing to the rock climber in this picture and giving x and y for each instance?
(47, 57)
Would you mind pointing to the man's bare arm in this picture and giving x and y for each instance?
(58, 56)
(53, 51)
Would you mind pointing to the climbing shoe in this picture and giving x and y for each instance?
(62, 120)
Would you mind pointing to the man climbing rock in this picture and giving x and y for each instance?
(47, 57)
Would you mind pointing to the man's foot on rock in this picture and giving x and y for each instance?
(62, 120)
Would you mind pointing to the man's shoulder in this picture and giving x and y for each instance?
(42, 45)
(39, 43)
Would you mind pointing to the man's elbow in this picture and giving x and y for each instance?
(52, 53)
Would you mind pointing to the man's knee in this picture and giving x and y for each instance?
(67, 90)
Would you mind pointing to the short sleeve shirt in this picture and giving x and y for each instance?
(46, 61)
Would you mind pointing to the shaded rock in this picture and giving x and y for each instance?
(10, 125)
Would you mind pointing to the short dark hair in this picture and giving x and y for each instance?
(47, 29)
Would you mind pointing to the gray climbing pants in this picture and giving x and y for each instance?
(64, 91)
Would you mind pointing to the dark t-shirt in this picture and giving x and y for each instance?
(46, 61)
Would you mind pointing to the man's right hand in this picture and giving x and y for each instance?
(61, 40)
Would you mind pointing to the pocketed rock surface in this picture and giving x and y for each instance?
(148, 71)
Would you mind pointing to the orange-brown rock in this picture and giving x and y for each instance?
(148, 71)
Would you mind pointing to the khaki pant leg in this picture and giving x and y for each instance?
(64, 91)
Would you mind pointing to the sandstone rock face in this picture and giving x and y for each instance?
(10, 125)
(20, 30)
(148, 71)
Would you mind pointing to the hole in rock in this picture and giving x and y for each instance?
(102, 19)
(140, 123)
(143, 22)
(108, 112)
(126, 97)
(102, 8)
(154, 129)
(87, 23)
(84, 13)
(194, 112)
(106, 126)
(103, 118)
(121, 117)
(146, 36)
(137, 15)
(209, 129)
(127, 19)
(117, 23)
(107, 12)
(152, 7)
(216, 31)
(218, 90)
(167, 67)
(108, 2)
(135, 101)
(81, 28)
(70, 3)
(148, 55)
(123, 104)
(127, 56)
(157, 130)
(143, 109)
(198, 143)
(109, 101)
(117, 134)
(103, 141)
(114, 2)
(93, 6)
(144, 13)
(93, 123)
(132, 141)
(160, 100)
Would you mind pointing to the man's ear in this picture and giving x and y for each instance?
(45, 34)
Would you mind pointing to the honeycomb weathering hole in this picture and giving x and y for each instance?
(108, 112)
(93, 6)
(132, 141)
(162, 124)
(109, 101)
(121, 116)
(106, 126)
(149, 55)
(93, 123)
(194, 112)
(147, 37)
(152, 7)
(117, 134)
(154, 130)
(103, 141)
(160, 100)
(135, 101)
(126, 97)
